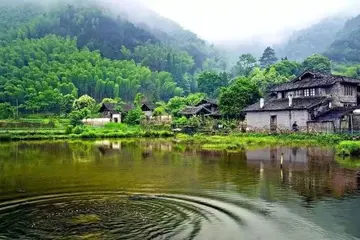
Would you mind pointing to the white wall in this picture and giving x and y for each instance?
(96, 121)
(261, 120)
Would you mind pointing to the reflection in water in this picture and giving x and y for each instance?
(85, 189)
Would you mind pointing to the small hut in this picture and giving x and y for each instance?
(108, 110)
(206, 107)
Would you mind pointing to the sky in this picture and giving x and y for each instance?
(221, 21)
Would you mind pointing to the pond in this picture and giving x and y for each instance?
(154, 189)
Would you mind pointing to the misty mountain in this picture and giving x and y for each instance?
(346, 47)
(105, 25)
(314, 39)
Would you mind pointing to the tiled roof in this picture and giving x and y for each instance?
(150, 105)
(108, 106)
(128, 106)
(208, 101)
(334, 114)
(283, 104)
(194, 110)
(310, 80)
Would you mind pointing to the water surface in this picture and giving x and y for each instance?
(153, 189)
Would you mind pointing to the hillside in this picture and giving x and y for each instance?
(314, 39)
(346, 47)
(116, 34)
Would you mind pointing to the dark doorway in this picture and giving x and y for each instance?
(116, 120)
(273, 123)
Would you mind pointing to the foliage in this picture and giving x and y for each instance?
(348, 148)
(194, 122)
(178, 52)
(6, 111)
(77, 116)
(244, 65)
(287, 68)
(138, 99)
(176, 104)
(83, 102)
(237, 96)
(78, 129)
(39, 73)
(134, 116)
(159, 111)
(266, 78)
(268, 57)
(210, 83)
(316, 63)
(160, 58)
(179, 122)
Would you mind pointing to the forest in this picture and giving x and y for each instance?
(49, 57)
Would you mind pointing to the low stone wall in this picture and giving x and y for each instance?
(96, 121)
(321, 127)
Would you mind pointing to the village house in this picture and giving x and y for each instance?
(108, 110)
(311, 102)
(205, 108)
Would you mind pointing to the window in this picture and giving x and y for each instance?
(299, 93)
(348, 90)
(312, 92)
(307, 92)
(348, 104)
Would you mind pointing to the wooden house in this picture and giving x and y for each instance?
(311, 101)
(205, 108)
(108, 110)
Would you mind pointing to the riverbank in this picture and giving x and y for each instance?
(347, 146)
(220, 141)
(122, 131)
(240, 141)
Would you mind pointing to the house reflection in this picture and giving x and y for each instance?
(107, 147)
(312, 172)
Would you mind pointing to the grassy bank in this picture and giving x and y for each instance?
(234, 142)
(109, 131)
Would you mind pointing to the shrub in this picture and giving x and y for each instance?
(180, 121)
(348, 148)
(134, 116)
(69, 129)
(78, 130)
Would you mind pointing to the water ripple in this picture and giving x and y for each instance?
(113, 215)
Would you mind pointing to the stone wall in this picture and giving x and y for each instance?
(338, 96)
(260, 121)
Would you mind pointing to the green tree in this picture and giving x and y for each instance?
(268, 58)
(138, 99)
(67, 103)
(77, 116)
(316, 63)
(287, 68)
(244, 65)
(210, 83)
(237, 96)
(6, 111)
(83, 102)
(176, 104)
(134, 116)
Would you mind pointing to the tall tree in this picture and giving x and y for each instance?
(237, 96)
(268, 58)
(244, 65)
(316, 63)
(210, 83)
